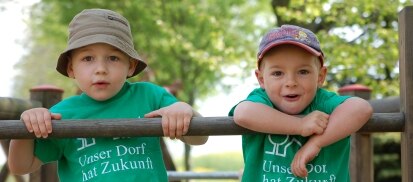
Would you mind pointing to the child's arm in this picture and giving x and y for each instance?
(262, 118)
(175, 122)
(21, 157)
(346, 119)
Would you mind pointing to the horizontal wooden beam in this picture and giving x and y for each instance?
(12, 108)
(379, 122)
(177, 176)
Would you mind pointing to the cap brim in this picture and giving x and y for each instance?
(99, 38)
(305, 47)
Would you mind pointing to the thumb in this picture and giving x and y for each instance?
(56, 116)
(153, 114)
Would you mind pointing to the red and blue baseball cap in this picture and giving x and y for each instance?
(290, 34)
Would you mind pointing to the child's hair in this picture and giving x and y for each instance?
(99, 26)
(290, 34)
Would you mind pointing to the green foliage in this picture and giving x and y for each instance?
(186, 41)
(227, 161)
(195, 42)
(387, 157)
(231, 161)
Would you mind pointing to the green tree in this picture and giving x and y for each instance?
(183, 41)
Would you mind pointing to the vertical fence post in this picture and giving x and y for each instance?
(361, 156)
(406, 87)
(48, 95)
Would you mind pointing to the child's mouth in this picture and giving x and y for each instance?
(101, 84)
(291, 97)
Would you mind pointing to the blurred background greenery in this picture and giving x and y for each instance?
(198, 45)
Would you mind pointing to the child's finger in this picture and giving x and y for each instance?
(294, 165)
(302, 170)
(172, 127)
(153, 114)
(35, 125)
(56, 116)
(317, 129)
(48, 122)
(165, 126)
(42, 120)
(322, 123)
(26, 120)
(298, 166)
(187, 121)
(180, 127)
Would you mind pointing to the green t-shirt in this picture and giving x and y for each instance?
(109, 159)
(268, 157)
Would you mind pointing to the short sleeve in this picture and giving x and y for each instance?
(48, 150)
(166, 98)
(325, 101)
(258, 96)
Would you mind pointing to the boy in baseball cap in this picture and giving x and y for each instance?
(316, 147)
(100, 56)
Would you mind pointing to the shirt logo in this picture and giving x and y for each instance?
(280, 146)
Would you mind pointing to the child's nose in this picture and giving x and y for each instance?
(101, 66)
(291, 81)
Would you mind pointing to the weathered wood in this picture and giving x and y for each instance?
(386, 105)
(406, 87)
(172, 175)
(361, 158)
(11, 108)
(384, 122)
(379, 122)
(48, 95)
(361, 154)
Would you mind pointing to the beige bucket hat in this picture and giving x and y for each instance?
(99, 26)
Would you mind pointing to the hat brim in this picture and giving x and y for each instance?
(99, 38)
(314, 52)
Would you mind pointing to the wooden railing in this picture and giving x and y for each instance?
(379, 122)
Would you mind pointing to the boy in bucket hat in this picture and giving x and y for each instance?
(315, 147)
(100, 56)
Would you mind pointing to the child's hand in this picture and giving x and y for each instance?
(314, 123)
(306, 154)
(175, 119)
(39, 121)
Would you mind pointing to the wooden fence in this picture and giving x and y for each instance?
(379, 122)
(401, 121)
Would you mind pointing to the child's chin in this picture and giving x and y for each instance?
(100, 97)
(291, 111)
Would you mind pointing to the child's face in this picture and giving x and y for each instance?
(100, 70)
(290, 76)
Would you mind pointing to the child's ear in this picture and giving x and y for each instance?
(322, 76)
(69, 69)
(260, 77)
(132, 66)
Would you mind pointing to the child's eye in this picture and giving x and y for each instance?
(303, 72)
(113, 58)
(87, 58)
(277, 73)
